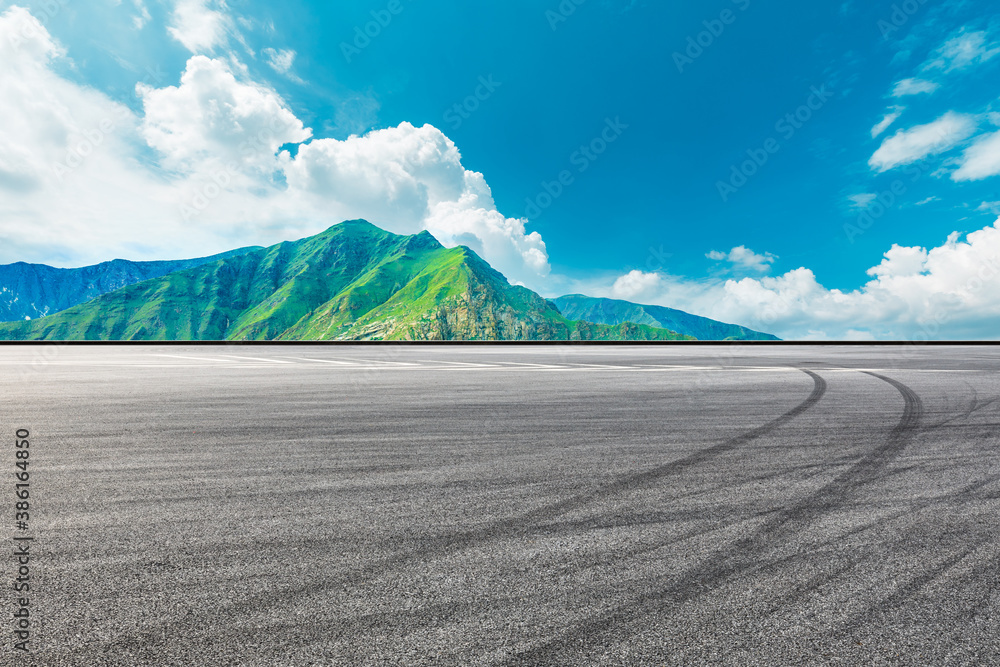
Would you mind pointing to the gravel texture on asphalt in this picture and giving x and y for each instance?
(494, 505)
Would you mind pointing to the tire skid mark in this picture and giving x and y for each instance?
(986, 578)
(962, 495)
(610, 559)
(975, 405)
(628, 482)
(907, 590)
(524, 523)
(727, 520)
(572, 527)
(509, 528)
(745, 554)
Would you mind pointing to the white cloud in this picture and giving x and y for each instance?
(211, 117)
(281, 61)
(890, 117)
(199, 27)
(408, 178)
(69, 154)
(862, 200)
(637, 286)
(968, 48)
(981, 160)
(743, 258)
(391, 174)
(87, 190)
(930, 199)
(948, 292)
(474, 221)
(24, 41)
(198, 171)
(918, 142)
(913, 87)
(142, 17)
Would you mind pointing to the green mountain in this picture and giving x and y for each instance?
(28, 291)
(352, 282)
(614, 312)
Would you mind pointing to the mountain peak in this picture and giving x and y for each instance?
(359, 222)
(359, 226)
(423, 241)
(354, 281)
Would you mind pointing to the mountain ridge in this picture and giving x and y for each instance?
(36, 290)
(614, 311)
(352, 281)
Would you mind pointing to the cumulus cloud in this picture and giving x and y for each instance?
(198, 26)
(474, 221)
(916, 143)
(951, 291)
(392, 174)
(211, 116)
(637, 286)
(745, 259)
(61, 148)
(913, 87)
(409, 178)
(980, 160)
(202, 169)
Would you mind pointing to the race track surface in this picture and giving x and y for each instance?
(489, 505)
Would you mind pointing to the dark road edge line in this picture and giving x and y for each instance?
(509, 343)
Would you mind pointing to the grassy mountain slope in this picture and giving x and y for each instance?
(613, 311)
(352, 282)
(28, 291)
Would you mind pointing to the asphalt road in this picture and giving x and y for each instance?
(485, 505)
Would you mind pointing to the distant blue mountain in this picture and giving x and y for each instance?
(30, 291)
(613, 311)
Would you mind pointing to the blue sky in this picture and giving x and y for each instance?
(797, 167)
